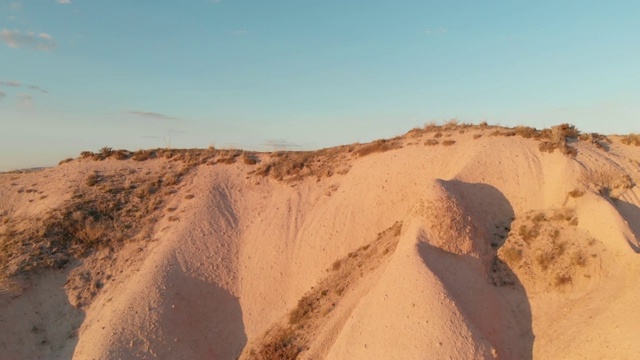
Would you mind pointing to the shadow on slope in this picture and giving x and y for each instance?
(39, 323)
(199, 320)
(495, 303)
(631, 213)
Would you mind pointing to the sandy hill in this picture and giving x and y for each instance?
(449, 242)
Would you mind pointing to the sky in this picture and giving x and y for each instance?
(297, 74)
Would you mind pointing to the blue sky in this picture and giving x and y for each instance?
(82, 74)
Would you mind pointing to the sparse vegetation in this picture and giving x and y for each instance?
(631, 139)
(448, 142)
(545, 259)
(297, 165)
(525, 131)
(283, 345)
(511, 255)
(287, 341)
(92, 179)
(111, 210)
(529, 234)
(374, 147)
(562, 280)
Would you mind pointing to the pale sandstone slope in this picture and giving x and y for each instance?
(227, 267)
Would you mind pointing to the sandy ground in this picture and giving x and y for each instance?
(415, 252)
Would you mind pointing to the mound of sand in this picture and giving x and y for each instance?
(449, 242)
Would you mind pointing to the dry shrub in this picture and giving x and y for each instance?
(562, 280)
(451, 124)
(306, 306)
(65, 161)
(631, 139)
(547, 258)
(579, 259)
(448, 142)
(431, 142)
(539, 217)
(529, 234)
(374, 147)
(595, 138)
(170, 179)
(106, 151)
(476, 136)
(143, 155)
(92, 179)
(508, 133)
(145, 190)
(525, 131)
(576, 193)
(282, 346)
(564, 131)
(430, 126)
(121, 154)
(550, 147)
(249, 159)
(438, 135)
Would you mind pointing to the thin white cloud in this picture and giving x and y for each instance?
(10, 83)
(37, 88)
(2, 94)
(238, 32)
(25, 99)
(438, 30)
(16, 39)
(16, 6)
(279, 145)
(151, 115)
(63, 1)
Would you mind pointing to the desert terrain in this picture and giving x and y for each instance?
(452, 241)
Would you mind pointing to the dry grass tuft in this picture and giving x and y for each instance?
(562, 280)
(448, 142)
(431, 142)
(545, 259)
